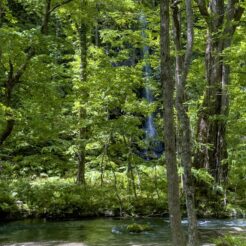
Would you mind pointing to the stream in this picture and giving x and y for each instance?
(104, 231)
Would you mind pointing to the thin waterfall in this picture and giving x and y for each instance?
(149, 124)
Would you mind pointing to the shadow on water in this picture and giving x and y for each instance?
(99, 232)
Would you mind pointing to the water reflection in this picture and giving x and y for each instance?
(98, 232)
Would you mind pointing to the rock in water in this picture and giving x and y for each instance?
(137, 228)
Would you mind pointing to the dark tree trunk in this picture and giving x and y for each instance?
(2, 13)
(212, 116)
(182, 69)
(81, 166)
(46, 18)
(82, 33)
(169, 129)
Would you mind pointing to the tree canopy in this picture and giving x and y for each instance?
(110, 96)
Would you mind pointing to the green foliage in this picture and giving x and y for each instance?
(236, 120)
(53, 197)
(230, 241)
(138, 228)
(8, 205)
(202, 175)
(39, 156)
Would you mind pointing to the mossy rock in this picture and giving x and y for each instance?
(138, 228)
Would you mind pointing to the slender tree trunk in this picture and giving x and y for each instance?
(81, 166)
(130, 173)
(182, 69)
(156, 182)
(212, 117)
(139, 180)
(117, 192)
(131, 177)
(105, 148)
(82, 33)
(169, 129)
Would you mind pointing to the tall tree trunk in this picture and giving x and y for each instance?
(82, 33)
(117, 193)
(212, 116)
(182, 69)
(169, 129)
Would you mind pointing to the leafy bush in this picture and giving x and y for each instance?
(54, 197)
(230, 241)
(7, 200)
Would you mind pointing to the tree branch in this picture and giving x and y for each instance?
(22, 68)
(233, 14)
(203, 8)
(14, 78)
(7, 131)
(238, 13)
(59, 5)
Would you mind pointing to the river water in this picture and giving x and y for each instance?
(102, 232)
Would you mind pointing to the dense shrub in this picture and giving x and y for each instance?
(8, 206)
(231, 241)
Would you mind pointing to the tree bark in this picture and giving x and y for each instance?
(212, 116)
(182, 69)
(46, 18)
(169, 129)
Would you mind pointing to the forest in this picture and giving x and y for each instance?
(127, 113)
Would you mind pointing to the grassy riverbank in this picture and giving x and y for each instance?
(61, 198)
(114, 195)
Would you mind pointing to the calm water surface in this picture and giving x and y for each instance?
(98, 232)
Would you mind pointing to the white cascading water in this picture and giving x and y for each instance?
(149, 124)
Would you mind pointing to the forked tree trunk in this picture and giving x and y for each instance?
(182, 69)
(212, 117)
(169, 129)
